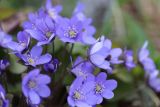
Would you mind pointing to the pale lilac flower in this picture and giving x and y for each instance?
(3, 101)
(154, 80)
(103, 56)
(144, 59)
(128, 58)
(4, 39)
(34, 86)
(22, 44)
(34, 57)
(78, 93)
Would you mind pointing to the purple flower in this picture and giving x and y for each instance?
(128, 57)
(82, 68)
(74, 30)
(145, 60)
(23, 42)
(44, 30)
(4, 39)
(88, 29)
(3, 101)
(3, 65)
(102, 55)
(103, 88)
(51, 66)
(69, 30)
(34, 86)
(78, 93)
(154, 80)
(32, 19)
(53, 12)
(34, 57)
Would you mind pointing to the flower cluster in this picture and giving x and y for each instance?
(150, 67)
(91, 91)
(89, 87)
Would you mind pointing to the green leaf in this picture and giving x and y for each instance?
(124, 76)
(16, 67)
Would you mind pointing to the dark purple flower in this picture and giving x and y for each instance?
(78, 92)
(82, 68)
(145, 60)
(4, 39)
(128, 57)
(3, 65)
(23, 42)
(34, 86)
(51, 66)
(102, 55)
(44, 30)
(34, 57)
(53, 12)
(103, 88)
(3, 101)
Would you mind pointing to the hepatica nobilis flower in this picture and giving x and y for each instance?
(30, 24)
(154, 80)
(53, 12)
(88, 29)
(128, 59)
(44, 31)
(144, 59)
(34, 86)
(51, 66)
(82, 68)
(69, 30)
(3, 101)
(103, 56)
(104, 88)
(3, 65)
(34, 57)
(23, 42)
(4, 39)
(79, 93)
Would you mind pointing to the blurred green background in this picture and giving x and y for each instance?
(127, 22)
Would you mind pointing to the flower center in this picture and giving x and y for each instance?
(80, 73)
(31, 61)
(32, 84)
(52, 13)
(108, 58)
(1, 103)
(23, 44)
(48, 34)
(72, 33)
(98, 88)
(77, 95)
